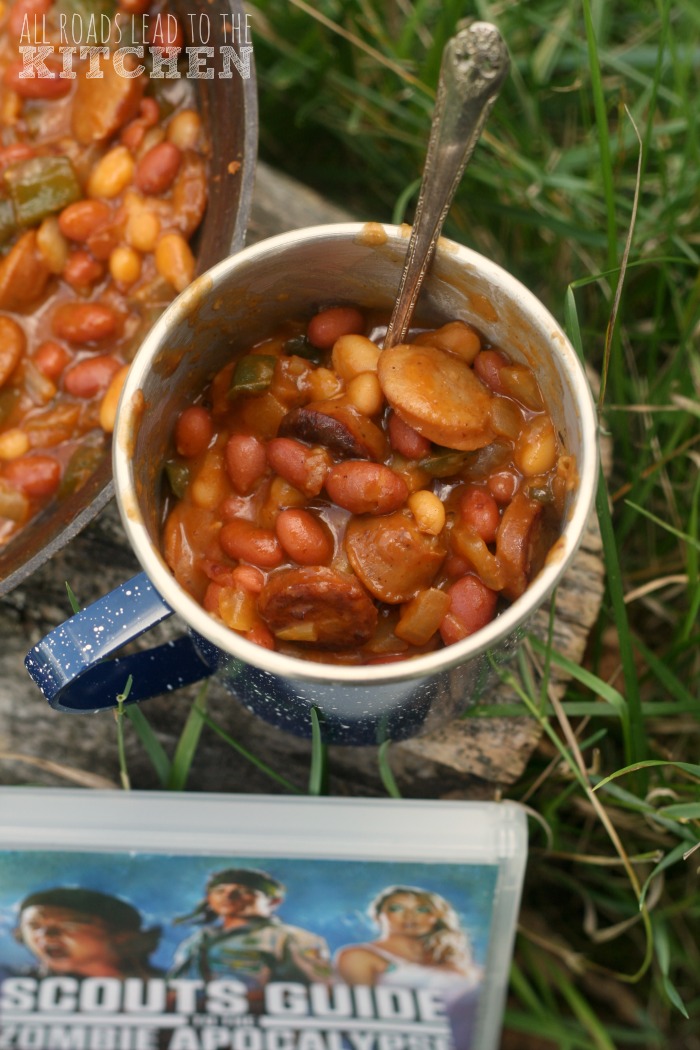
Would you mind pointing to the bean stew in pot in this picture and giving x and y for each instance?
(348, 504)
(103, 182)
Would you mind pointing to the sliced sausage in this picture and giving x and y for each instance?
(513, 542)
(338, 611)
(23, 274)
(437, 394)
(392, 557)
(102, 105)
(338, 426)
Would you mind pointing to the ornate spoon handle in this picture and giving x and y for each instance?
(475, 63)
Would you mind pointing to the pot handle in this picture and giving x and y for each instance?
(70, 667)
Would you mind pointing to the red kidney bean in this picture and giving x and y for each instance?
(260, 634)
(34, 475)
(487, 366)
(23, 14)
(366, 488)
(246, 462)
(243, 540)
(329, 325)
(82, 270)
(14, 153)
(150, 111)
(80, 219)
(479, 509)
(503, 486)
(156, 170)
(51, 358)
(302, 466)
(472, 606)
(36, 87)
(194, 430)
(210, 601)
(407, 441)
(85, 322)
(304, 538)
(248, 578)
(90, 376)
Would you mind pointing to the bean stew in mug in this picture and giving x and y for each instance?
(348, 504)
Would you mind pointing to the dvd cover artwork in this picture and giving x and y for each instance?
(146, 951)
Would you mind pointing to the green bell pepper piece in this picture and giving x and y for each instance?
(41, 186)
(253, 374)
(178, 475)
(8, 223)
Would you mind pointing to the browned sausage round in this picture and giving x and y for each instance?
(392, 557)
(338, 426)
(437, 394)
(327, 606)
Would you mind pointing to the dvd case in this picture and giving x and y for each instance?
(161, 921)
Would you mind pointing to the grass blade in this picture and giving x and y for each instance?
(187, 744)
(317, 772)
(150, 742)
(250, 757)
(385, 771)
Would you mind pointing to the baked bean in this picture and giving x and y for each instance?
(51, 358)
(35, 475)
(353, 354)
(302, 466)
(111, 174)
(366, 488)
(175, 261)
(90, 376)
(479, 509)
(150, 111)
(536, 448)
(13, 443)
(125, 265)
(428, 510)
(83, 323)
(472, 606)
(407, 441)
(185, 129)
(80, 219)
(329, 325)
(52, 244)
(36, 87)
(456, 337)
(193, 431)
(246, 462)
(304, 538)
(13, 343)
(110, 401)
(82, 270)
(142, 230)
(365, 393)
(245, 540)
(156, 170)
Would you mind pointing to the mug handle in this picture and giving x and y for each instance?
(70, 664)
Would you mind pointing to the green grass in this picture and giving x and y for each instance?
(586, 185)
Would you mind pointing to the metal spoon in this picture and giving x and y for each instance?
(475, 63)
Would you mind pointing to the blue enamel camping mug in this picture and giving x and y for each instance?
(234, 304)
